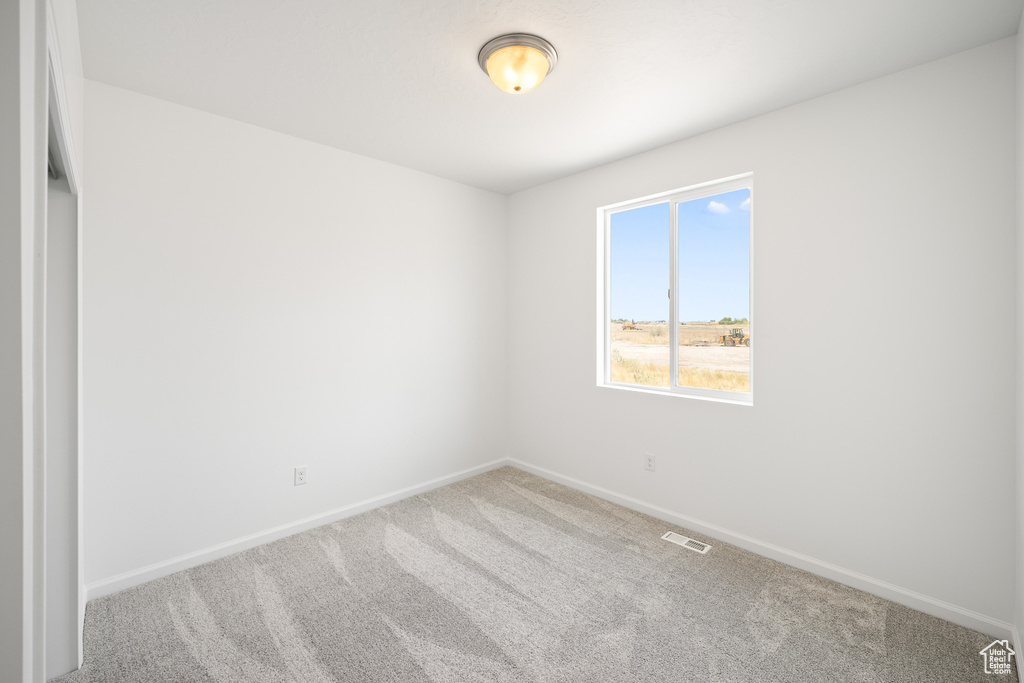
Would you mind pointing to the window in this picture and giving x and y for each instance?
(674, 304)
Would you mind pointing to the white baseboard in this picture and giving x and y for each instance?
(177, 564)
(923, 603)
(943, 610)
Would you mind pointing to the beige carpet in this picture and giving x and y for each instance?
(506, 578)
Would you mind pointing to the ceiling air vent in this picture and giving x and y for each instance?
(693, 545)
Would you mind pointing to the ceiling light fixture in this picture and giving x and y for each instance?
(517, 62)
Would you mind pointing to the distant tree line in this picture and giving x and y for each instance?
(733, 321)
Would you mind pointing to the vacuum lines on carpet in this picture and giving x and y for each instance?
(510, 578)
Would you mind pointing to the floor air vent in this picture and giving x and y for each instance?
(678, 539)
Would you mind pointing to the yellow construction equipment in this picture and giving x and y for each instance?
(738, 336)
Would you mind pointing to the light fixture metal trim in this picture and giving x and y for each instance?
(515, 40)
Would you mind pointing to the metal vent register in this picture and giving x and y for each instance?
(689, 543)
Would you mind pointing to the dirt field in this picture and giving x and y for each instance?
(733, 358)
(641, 356)
(657, 333)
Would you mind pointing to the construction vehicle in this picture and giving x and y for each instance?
(738, 336)
(630, 326)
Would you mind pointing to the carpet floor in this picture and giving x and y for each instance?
(509, 578)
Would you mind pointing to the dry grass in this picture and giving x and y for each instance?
(707, 378)
(657, 333)
(634, 371)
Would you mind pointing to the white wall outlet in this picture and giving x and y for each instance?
(300, 475)
(649, 462)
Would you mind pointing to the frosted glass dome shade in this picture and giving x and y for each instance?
(517, 63)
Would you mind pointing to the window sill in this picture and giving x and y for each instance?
(715, 397)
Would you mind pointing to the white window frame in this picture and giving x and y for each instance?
(604, 349)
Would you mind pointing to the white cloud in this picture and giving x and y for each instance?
(746, 204)
(715, 207)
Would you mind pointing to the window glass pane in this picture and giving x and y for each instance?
(639, 262)
(714, 292)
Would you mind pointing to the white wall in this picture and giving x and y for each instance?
(884, 294)
(255, 302)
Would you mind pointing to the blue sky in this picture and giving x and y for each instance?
(714, 259)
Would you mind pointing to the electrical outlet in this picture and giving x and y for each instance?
(649, 462)
(300, 475)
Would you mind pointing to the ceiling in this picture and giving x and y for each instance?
(398, 80)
